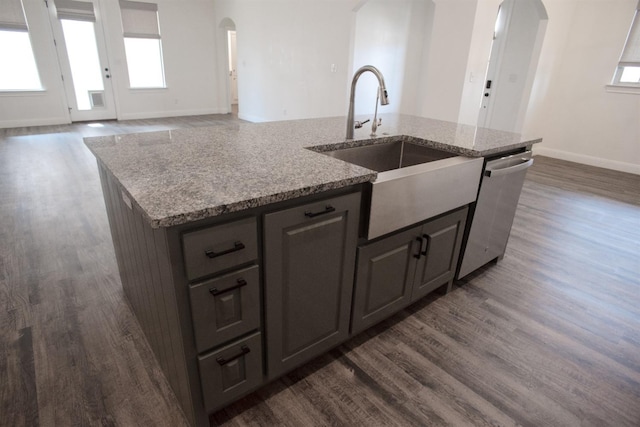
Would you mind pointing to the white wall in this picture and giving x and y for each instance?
(391, 35)
(418, 49)
(422, 47)
(285, 52)
(570, 108)
(189, 52)
(286, 49)
(385, 37)
(381, 35)
(444, 67)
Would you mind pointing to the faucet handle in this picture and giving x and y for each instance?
(358, 125)
(375, 125)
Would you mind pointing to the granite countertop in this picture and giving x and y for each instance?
(178, 176)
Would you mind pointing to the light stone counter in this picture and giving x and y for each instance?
(178, 176)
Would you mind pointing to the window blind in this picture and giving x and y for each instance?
(12, 16)
(75, 10)
(631, 53)
(139, 19)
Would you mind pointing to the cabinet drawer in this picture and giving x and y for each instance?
(226, 307)
(220, 247)
(230, 372)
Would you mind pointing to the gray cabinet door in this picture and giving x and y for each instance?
(443, 237)
(309, 259)
(384, 278)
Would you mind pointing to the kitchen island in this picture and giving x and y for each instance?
(237, 245)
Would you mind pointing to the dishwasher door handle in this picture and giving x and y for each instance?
(511, 169)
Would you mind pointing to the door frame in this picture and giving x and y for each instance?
(226, 25)
(233, 65)
(512, 36)
(495, 61)
(109, 112)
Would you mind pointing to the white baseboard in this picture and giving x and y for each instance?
(174, 113)
(127, 116)
(252, 119)
(587, 160)
(34, 122)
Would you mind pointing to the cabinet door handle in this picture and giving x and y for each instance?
(237, 246)
(243, 350)
(426, 247)
(239, 283)
(327, 209)
(419, 240)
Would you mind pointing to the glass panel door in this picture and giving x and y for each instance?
(82, 55)
(82, 51)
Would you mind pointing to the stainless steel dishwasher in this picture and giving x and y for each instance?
(495, 209)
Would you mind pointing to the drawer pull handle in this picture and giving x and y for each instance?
(243, 350)
(327, 209)
(239, 283)
(237, 246)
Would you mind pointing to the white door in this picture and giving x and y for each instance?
(80, 45)
(497, 49)
(518, 36)
(233, 67)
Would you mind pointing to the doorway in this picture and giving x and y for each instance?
(228, 55)
(80, 47)
(517, 41)
(233, 70)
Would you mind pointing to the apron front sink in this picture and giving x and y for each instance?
(414, 182)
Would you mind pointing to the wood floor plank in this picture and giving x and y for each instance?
(550, 335)
(558, 362)
(18, 386)
(424, 384)
(485, 372)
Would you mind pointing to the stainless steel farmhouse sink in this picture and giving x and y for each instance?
(390, 155)
(414, 182)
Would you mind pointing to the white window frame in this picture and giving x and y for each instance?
(630, 55)
(140, 20)
(13, 19)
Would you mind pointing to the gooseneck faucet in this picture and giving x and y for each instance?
(382, 95)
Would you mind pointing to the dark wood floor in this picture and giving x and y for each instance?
(549, 336)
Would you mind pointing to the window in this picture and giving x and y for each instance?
(16, 50)
(628, 71)
(142, 44)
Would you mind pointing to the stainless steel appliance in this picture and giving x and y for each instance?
(495, 209)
